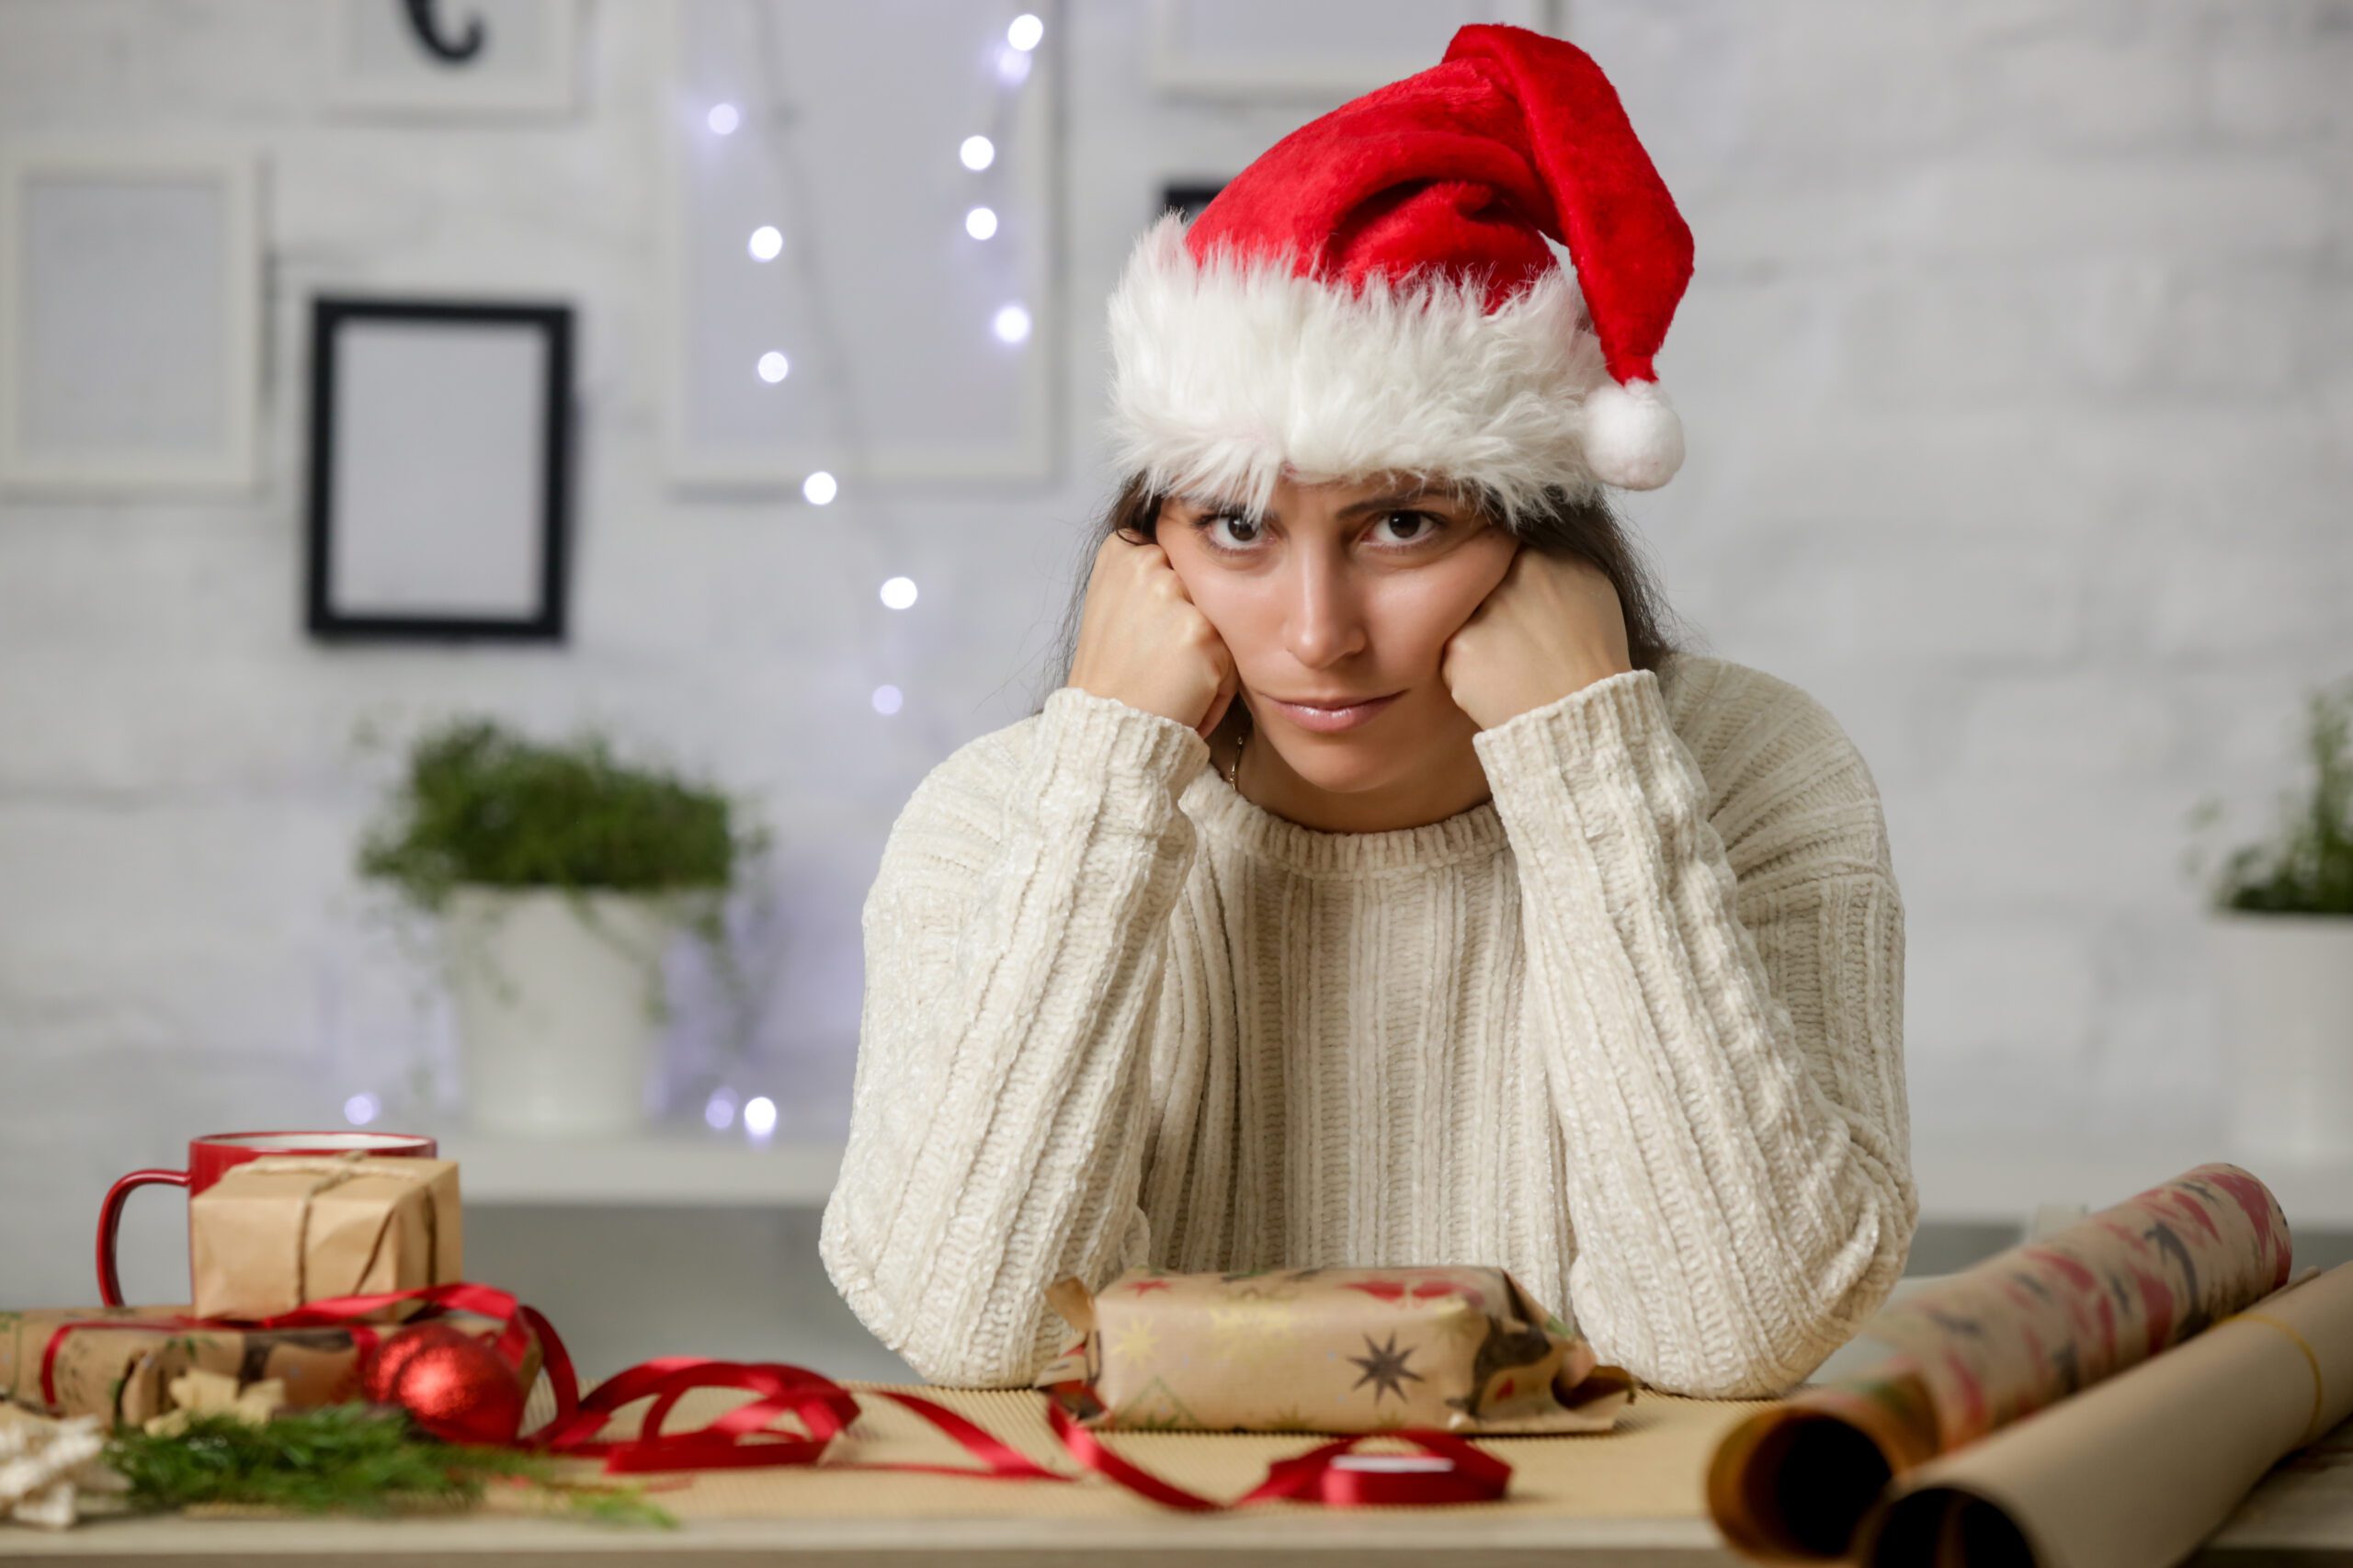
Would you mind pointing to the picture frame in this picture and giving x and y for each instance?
(451, 59)
(130, 315)
(1287, 52)
(440, 469)
(853, 271)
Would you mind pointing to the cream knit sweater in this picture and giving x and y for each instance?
(1632, 1029)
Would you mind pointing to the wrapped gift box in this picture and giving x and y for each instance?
(1461, 1349)
(279, 1231)
(118, 1363)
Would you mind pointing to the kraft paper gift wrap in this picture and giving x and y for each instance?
(1459, 1349)
(286, 1230)
(116, 1363)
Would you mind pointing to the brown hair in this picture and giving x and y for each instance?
(1564, 525)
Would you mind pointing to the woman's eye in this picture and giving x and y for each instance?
(1424, 526)
(1242, 532)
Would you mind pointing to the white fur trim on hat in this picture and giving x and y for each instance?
(1227, 375)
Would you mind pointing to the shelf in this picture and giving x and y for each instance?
(1976, 1182)
(661, 1168)
(1984, 1182)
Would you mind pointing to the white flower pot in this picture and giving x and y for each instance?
(555, 1012)
(2287, 1020)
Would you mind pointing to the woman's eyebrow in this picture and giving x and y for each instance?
(1354, 508)
(1401, 498)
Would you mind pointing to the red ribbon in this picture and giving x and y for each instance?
(1456, 1472)
(1450, 1471)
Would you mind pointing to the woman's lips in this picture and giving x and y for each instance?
(1331, 721)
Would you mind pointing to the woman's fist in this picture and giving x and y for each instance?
(1552, 626)
(1141, 640)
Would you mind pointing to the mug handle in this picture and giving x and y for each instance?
(111, 1219)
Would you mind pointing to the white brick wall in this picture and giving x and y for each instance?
(2016, 370)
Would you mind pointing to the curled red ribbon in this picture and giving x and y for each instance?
(1449, 1469)
(1455, 1473)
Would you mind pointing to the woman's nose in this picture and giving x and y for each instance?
(1326, 619)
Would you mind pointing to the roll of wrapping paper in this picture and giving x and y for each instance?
(2144, 1467)
(1971, 1354)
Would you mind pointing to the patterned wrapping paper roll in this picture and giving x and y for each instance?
(1972, 1353)
(2147, 1466)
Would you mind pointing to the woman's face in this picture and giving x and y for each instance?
(1344, 591)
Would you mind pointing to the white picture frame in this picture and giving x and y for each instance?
(885, 444)
(130, 315)
(499, 60)
(1313, 51)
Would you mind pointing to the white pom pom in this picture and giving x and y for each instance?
(1632, 437)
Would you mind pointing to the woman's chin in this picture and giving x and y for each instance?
(1340, 764)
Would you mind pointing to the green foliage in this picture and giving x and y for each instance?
(359, 1458)
(484, 806)
(2307, 869)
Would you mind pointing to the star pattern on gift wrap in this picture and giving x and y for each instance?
(1135, 1337)
(1384, 1368)
(1156, 1409)
(1254, 1331)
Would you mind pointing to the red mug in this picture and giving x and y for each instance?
(211, 1158)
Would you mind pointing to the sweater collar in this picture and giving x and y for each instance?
(1222, 813)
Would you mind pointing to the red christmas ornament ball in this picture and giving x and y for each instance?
(452, 1383)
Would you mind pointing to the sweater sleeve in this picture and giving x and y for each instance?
(1725, 1054)
(998, 1110)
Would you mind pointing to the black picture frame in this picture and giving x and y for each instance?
(1190, 196)
(328, 616)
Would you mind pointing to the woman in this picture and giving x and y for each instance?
(1382, 887)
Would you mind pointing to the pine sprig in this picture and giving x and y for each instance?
(344, 1458)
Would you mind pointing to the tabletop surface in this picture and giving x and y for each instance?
(1629, 1496)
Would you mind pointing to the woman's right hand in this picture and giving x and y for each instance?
(1143, 640)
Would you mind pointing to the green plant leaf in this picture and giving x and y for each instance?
(359, 1458)
(2308, 868)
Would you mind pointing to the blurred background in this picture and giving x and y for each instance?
(723, 376)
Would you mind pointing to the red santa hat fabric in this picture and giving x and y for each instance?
(1375, 294)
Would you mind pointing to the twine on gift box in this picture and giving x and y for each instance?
(336, 1170)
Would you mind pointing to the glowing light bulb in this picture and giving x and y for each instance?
(774, 366)
(759, 1116)
(979, 222)
(766, 243)
(1025, 32)
(819, 488)
(722, 120)
(899, 592)
(1012, 323)
(361, 1110)
(977, 152)
(889, 699)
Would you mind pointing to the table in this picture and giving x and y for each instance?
(1629, 1496)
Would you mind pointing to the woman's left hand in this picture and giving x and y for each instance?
(1552, 626)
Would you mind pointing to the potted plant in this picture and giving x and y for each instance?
(560, 875)
(2282, 924)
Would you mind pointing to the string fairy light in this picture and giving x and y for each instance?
(1010, 322)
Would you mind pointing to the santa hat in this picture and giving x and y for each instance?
(1374, 294)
